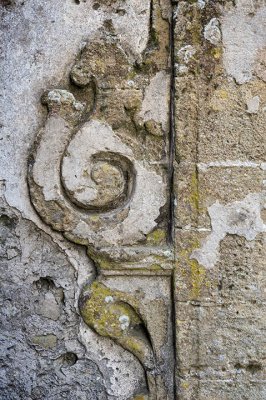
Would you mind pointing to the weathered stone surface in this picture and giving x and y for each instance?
(228, 347)
(232, 125)
(41, 353)
(220, 196)
(244, 36)
(132, 224)
(238, 273)
(96, 173)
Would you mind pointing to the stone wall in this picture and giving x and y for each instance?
(132, 219)
(220, 172)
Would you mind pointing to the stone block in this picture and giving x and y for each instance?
(233, 389)
(238, 273)
(226, 184)
(232, 122)
(219, 342)
(186, 187)
(199, 187)
(192, 280)
(186, 119)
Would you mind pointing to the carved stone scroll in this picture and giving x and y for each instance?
(98, 173)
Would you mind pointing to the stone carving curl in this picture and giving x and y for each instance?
(99, 174)
(111, 314)
(89, 180)
(102, 182)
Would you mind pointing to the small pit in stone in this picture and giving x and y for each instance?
(120, 12)
(6, 3)
(67, 360)
(253, 367)
(7, 221)
(45, 283)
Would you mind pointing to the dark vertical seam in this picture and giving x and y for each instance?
(171, 221)
(171, 132)
(174, 333)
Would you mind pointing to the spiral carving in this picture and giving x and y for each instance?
(73, 178)
(91, 187)
(89, 180)
(98, 182)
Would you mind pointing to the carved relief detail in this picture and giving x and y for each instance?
(93, 177)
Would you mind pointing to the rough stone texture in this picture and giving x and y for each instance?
(41, 353)
(85, 119)
(98, 99)
(220, 194)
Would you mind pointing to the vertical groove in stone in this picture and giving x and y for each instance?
(171, 131)
(171, 229)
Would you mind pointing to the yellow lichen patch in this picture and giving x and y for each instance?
(94, 218)
(194, 195)
(192, 271)
(158, 236)
(197, 278)
(217, 53)
(100, 65)
(224, 98)
(100, 260)
(223, 94)
(104, 264)
(110, 315)
(140, 397)
(156, 267)
(195, 26)
(185, 385)
(153, 128)
(106, 313)
(136, 346)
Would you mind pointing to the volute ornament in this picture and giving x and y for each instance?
(92, 177)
